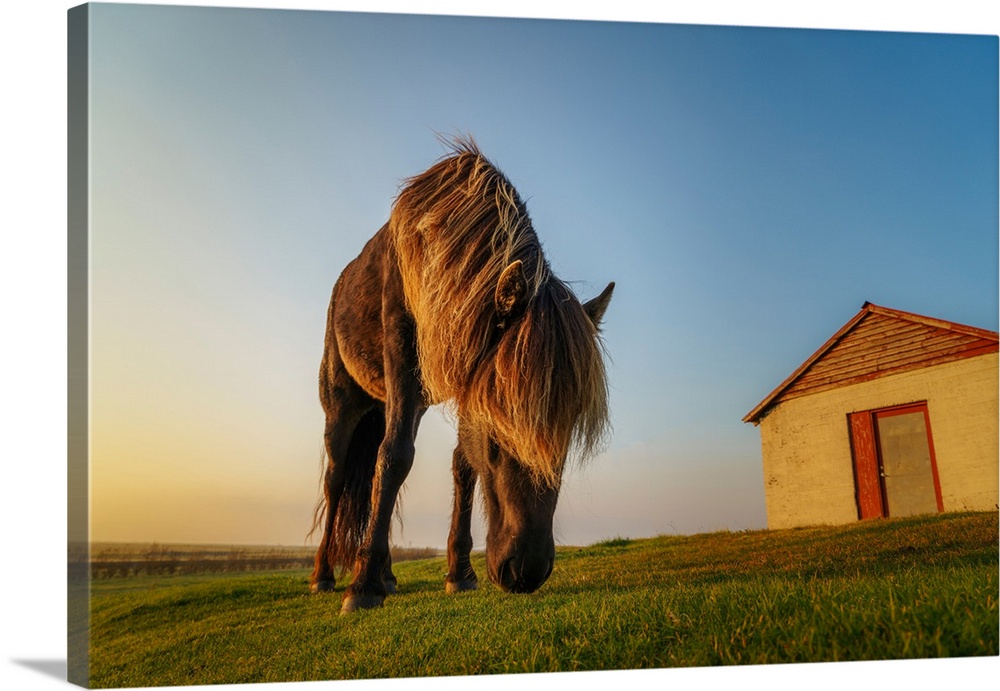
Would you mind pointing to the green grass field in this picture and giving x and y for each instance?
(921, 587)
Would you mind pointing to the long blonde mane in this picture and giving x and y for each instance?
(540, 386)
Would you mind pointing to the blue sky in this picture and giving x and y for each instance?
(747, 189)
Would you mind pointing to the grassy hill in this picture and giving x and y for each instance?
(920, 587)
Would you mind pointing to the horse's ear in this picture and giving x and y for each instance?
(512, 291)
(596, 308)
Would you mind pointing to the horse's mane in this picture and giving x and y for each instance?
(540, 386)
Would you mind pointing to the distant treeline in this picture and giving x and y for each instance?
(123, 561)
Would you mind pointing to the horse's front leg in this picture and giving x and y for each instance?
(373, 568)
(460, 574)
(404, 407)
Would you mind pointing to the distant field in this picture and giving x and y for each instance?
(908, 588)
(122, 560)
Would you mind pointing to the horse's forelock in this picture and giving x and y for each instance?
(544, 393)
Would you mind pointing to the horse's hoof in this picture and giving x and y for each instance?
(325, 586)
(452, 587)
(355, 602)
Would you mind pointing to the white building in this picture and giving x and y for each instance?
(895, 415)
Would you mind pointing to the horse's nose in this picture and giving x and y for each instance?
(524, 573)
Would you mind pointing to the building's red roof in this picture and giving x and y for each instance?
(877, 342)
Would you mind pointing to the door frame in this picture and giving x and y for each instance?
(866, 454)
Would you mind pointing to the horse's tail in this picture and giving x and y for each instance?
(353, 506)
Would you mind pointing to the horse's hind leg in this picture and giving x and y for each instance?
(337, 437)
(323, 578)
(460, 573)
(345, 405)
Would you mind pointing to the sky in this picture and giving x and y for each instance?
(746, 188)
(949, 269)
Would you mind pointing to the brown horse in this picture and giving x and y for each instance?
(453, 301)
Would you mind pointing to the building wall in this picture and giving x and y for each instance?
(806, 447)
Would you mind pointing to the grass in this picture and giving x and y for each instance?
(922, 587)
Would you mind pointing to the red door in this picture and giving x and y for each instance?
(867, 484)
(895, 469)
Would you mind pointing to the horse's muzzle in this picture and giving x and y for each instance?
(524, 573)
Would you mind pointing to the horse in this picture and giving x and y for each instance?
(452, 301)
